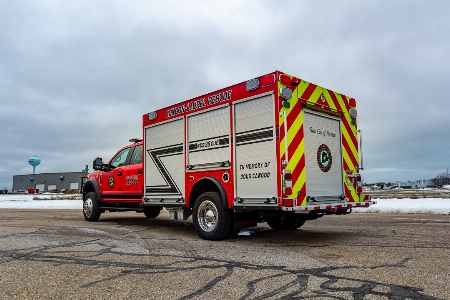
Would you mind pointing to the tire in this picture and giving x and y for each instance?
(286, 222)
(91, 211)
(152, 212)
(211, 219)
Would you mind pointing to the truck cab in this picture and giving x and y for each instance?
(116, 185)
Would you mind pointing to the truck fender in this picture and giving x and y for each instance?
(208, 181)
(91, 186)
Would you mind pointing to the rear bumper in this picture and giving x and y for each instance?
(328, 207)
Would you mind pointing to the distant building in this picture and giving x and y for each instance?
(48, 182)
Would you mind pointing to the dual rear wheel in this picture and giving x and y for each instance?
(211, 219)
(286, 222)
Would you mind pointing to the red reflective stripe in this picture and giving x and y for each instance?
(298, 169)
(291, 118)
(348, 194)
(296, 141)
(301, 195)
(344, 120)
(350, 132)
(335, 100)
(308, 92)
(345, 100)
(346, 168)
(349, 152)
(294, 113)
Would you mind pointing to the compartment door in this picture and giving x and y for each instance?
(209, 139)
(323, 156)
(255, 152)
(164, 163)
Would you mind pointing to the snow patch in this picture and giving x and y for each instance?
(407, 205)
(27, 202)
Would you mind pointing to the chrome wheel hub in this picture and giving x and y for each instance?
(88, 207)
(207, 216)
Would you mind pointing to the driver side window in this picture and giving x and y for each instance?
(120, 159)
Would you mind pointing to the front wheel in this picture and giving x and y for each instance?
(211, 219)
(91, 210)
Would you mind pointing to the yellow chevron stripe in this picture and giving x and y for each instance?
(315, 95)
(295, 158)
(350, 187)
(292, 132)
(299, 90)
(301, 181)
(352, 147)
(348, 161)
(346, 113)
(330, 102)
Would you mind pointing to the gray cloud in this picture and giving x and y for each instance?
(75, 78)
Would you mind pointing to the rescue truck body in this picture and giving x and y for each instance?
(274, 149)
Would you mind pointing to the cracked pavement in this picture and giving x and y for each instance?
(56, 254)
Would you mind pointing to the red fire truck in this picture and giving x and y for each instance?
(274, 149)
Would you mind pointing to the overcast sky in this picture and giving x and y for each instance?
(76, 76)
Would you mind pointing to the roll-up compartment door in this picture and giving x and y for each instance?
(209, 139)
(255, 154)
(323, 155)
(164, 162)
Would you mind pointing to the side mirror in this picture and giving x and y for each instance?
(98, 164)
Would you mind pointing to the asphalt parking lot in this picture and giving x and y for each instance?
(56, 254)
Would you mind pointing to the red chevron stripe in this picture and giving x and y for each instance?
(296, 141)
(294, 113)
(298, 168)
(281, 132)
(302, 195)
(350, 132)
(335, 100)
(291, 118)
(344, 120)
(345, 100)
(308, 92)
(349, 152)
(346, 168)
(348, 194)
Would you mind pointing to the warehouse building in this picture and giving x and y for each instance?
(49, 182)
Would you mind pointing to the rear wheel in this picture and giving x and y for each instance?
(211, 219)
(286, 222)
(152, 212)
(91, 211)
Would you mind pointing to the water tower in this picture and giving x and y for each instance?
(34, 161)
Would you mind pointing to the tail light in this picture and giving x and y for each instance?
(353, 111)
(287, 183)
(352, 102)
(358, 178)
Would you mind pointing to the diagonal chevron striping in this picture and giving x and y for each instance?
(325, 99)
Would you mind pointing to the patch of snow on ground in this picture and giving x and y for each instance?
(411, 206)
(423, 205)
(27, 202)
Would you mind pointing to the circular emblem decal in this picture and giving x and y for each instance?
(324, 158)
(111, 181)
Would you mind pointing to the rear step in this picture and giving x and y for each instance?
(329, 207)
